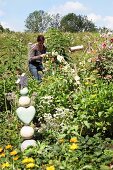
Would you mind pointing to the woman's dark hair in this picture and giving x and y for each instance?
(40, 38)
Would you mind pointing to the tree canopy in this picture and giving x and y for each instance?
(40, 21)
(73, 23)
(37, 21)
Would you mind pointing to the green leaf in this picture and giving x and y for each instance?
(87, 124)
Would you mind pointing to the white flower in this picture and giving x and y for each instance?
(54, 53)
(18, 81)
(60, 58)
(77, 78)
(23, 74)
(47, 97)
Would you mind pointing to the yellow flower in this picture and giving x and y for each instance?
(8, 147)
(31, 160)
(13, 153)
(28, 160)
(74, 146)
(50, 167)
(87, 83)
(2, 154)
(73, 140)
(5, 165)
(30, 165)
(1, 149)
(15, 158)
(25, 160)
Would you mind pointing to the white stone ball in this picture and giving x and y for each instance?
(27, 143)
(27, 132)
(24, 101)
(24, 91)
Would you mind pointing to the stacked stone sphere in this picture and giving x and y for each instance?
(26, 113)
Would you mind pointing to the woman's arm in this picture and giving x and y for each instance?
(37, 57)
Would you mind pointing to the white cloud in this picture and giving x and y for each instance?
(94, 18)
(68, 7)
(6, 25)
(106, 21)
(109, 22)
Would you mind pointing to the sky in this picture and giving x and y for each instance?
(13, 13)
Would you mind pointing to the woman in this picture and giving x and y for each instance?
(36, 56)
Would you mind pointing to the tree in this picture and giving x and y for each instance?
(1, 28)
(73, 23)
(55, 21)
(38, 21)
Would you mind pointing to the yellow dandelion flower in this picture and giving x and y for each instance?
(86, 83)
(73, 140)
(74, 146)
(8, 147)
(61, 140)
(13, 153)
(15, 158)
(5, 165)
(50, 167)
(31, 160)
(2, 154)
(28, 160)
(30, 165)
(25, 160)
(1, 149)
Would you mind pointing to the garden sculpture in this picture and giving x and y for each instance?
(25, 113)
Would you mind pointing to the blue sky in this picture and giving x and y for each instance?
(13, 13)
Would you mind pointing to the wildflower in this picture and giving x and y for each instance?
(31, 160)
(13, 153)
(8, 147)
(60, 58)
(1, 149)
(28, 160)
(50, 167)
(5, 165)
(30, 165)
(86, 83)
(2, 154)
(74, 146)
(73, 140)
(15, 158)
(77, 78)
(111, 40)
(104, 45)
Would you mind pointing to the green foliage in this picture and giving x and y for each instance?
(37, 21)
(104, 64)
(12, 58)
(73, 23)
(56, 40)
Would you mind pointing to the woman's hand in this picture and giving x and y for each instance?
(42, 55)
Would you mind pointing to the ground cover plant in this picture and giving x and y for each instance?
(74, 103)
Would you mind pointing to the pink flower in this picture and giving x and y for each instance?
(103, 45)
(111, 40)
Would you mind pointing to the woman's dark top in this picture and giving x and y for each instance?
(36, 52)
